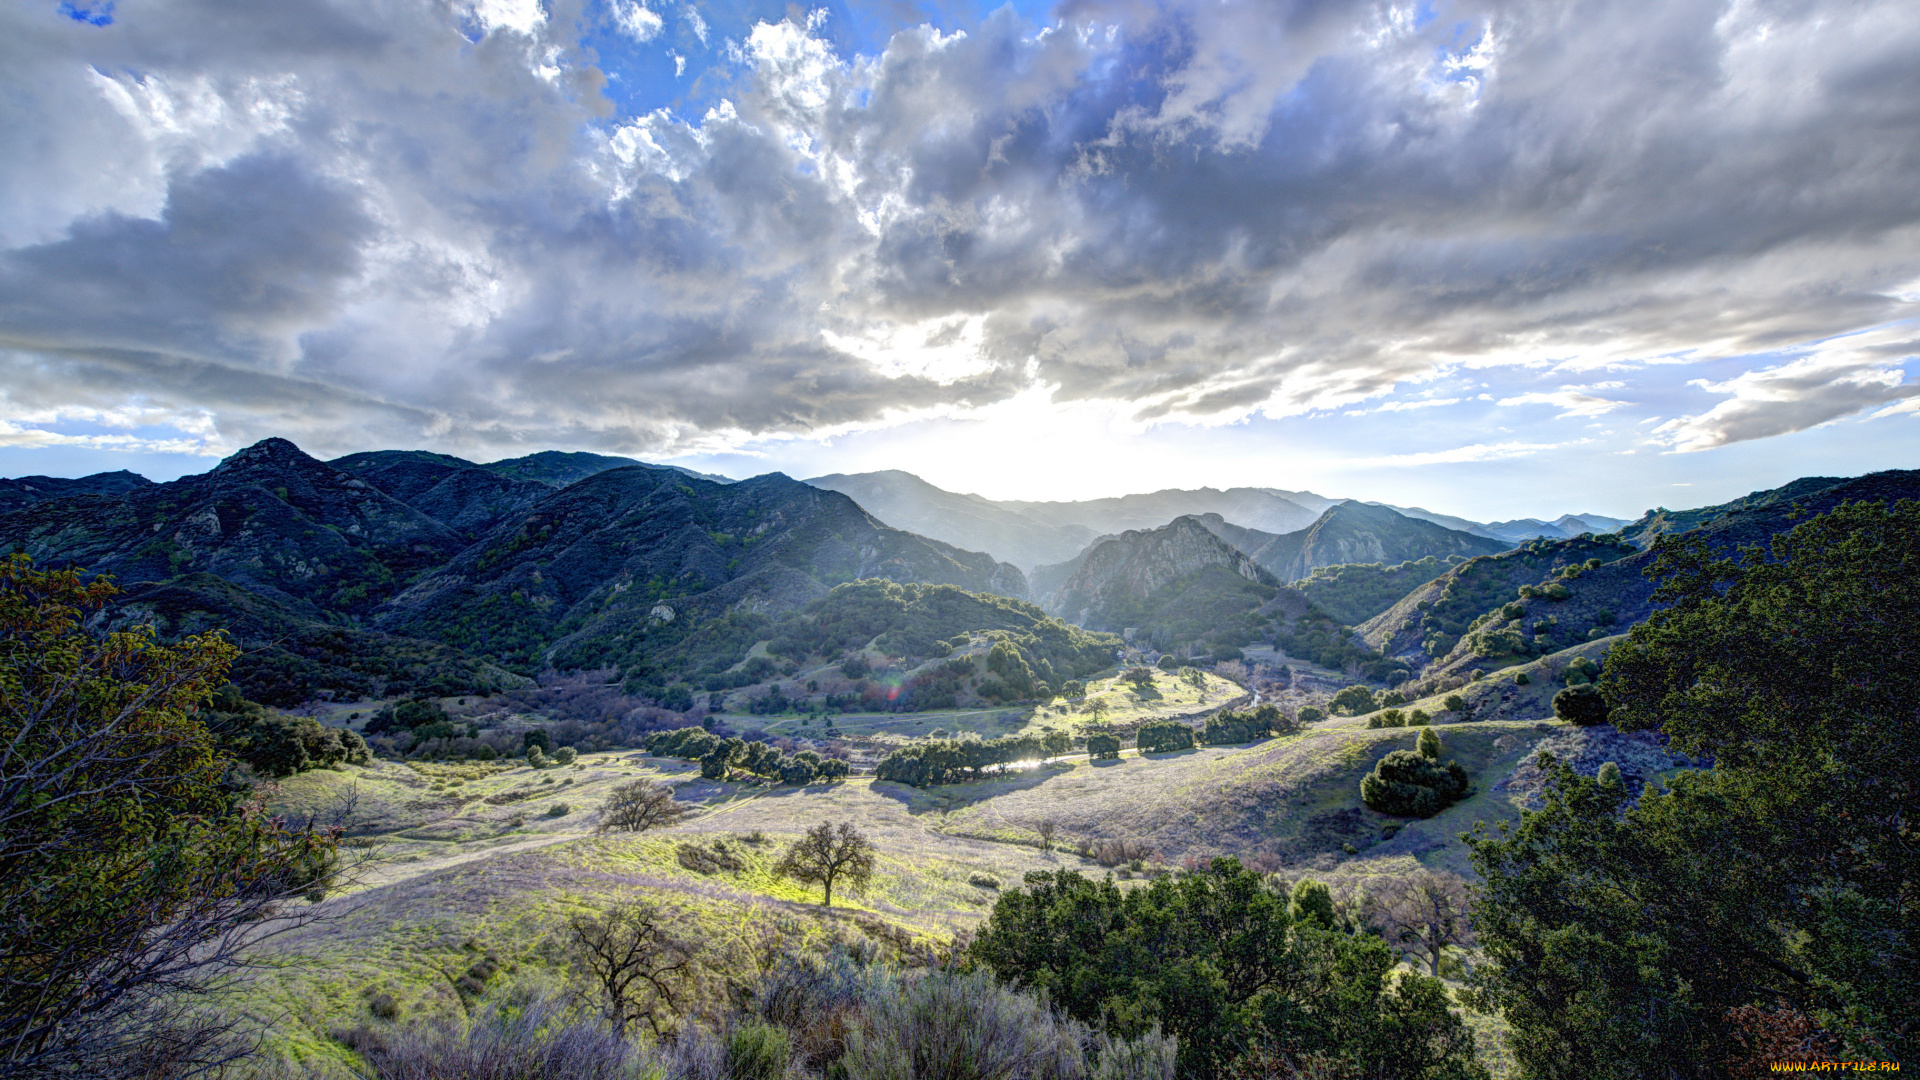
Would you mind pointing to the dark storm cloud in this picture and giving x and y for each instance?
(420, 214)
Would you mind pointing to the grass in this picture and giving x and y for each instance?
(468, 866)
(1124, 708)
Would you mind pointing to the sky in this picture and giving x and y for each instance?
(1492, 258)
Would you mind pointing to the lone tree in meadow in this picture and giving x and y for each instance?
(1048, 829)
(828, 854)
(639, 805)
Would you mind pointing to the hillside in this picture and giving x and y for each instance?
(1177, 581)
(1546, 595)
(905, 501)
(634, 560)
(270, 518)
(27, 490)
(1352, 532)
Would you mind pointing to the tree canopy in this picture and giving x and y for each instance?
(1776, 888)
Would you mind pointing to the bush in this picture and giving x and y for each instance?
(1103, 747)
(1455, 704)
(1407, 784)
(1352, 701)
(558, 809)
(1164, 736)
(1312, 714)
(1581, 705)
(1429, 745)
(1522, 679)
(566, 755)
(529, 1039)
(981, 880)
(757, 1051)
(950, 1026)
(1389, 718)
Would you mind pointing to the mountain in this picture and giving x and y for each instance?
(1519, 530)
(407, 571)
(905, 501)
(616, 566)
(1255, 508)
(1351, 532)
(270, 518)
(1177, 581)
(556, 468)
(28, 490)
(1549, 594)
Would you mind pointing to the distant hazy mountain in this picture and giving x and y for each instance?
(1351, 532)
(905, 501)
(1518, 530)
(1180, 572)
(1254, 508)
(28, 490)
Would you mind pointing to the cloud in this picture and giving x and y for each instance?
(420, 224)
(1839, 379)
(1459, 454)
(1572, 400)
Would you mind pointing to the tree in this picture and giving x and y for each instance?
(827, 854)
(1048, 828)
(133, 878)
(1627, 938)
(1215, 959)
(1424, 913)
(1103, 747)
(1168, 662)
(638, 970)
(1056, 742)
(1407, 783)
(1194, 677)
(1456, 705)
(1352, 701)
(1140, 677)
(1312, 901)
(1429, 744)
(1581, 705)
(639, 805)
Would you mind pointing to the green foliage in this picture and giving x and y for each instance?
(1163, 736)
(128, 868)
(1387, 718)
(1311, 713)
(1583, 669)
(947, 761)
(1455, 704)
(1168, 662)
(1356, 592)
(1352, 701)
(1609, 775)
(1582, 705)
(1406, 783)
(1312, 902)
(1429, 745)
(1628, 938)
(273, 743)
(757, 1051)
(1230, 727)
(1316, 636)
(1473, 596)
(1103, 747)
(1521, 678)
(1215, 959)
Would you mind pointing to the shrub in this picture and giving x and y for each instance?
(1429, 745)
(1168, 662)
(981, 880)
(1312, 900)
(1103, 747)
(1408, 784)
(536, 1039)
(1581, 705)
(1455, 704)
(1522, 679)
(1352, 701)
(1609, 775)
(1164, 736)
(384, 1005)
(757, 1050)
(536, 759)
(949, 1026)
(1389, 718)
(566, 755)
(558, 809)
(1312, 714)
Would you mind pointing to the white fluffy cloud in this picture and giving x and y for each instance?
(366, 222)
(1839, 379)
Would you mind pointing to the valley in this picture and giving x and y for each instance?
(461, 667)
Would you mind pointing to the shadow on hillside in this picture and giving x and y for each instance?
(949, 797)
